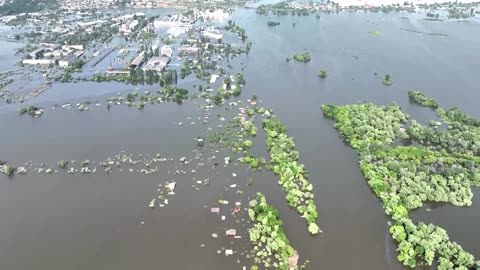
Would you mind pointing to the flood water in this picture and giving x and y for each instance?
(64, 221)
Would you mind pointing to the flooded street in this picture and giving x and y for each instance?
(102, 221)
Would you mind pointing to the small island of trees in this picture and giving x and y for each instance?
(420, 98)
(302, 57)
(322, 73)
(387, 81)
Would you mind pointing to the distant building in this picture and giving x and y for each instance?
(188, 50)
(129, 27)
(177, 20)
(88, 24)
(212, 37)
(138, 61)
(38, 53)
(73, 47)
(38, 62)
(157, 63)
(67, 61)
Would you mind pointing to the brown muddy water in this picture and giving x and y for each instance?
(102, 221)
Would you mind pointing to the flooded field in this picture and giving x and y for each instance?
(102, 221)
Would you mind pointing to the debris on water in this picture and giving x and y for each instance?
(152, 203)
(215, 210)
(231, 232)
(227, 160)
(202, 245)
(223, 202)
(171, 186)
(228, 252)
(292, 261)
(233, 185)
(21, 170)
(234, 174)
(223, 217)
(214, 235)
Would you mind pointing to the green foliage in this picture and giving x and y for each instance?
(270, 244)
(366, 124)
(7, 169)
(420, 98)
(293, 176)
(387, 81)
(302, 57)
(30, 110)
(404, 177)
(62, 163)
(322, 73)
(217, 99)
(185, 70)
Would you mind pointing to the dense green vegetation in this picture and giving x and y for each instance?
(322, 73)
(387, 81)
(271, 246)
(404, 177)
(366, 124)
(420, 98)
(6, 169)
(31, 110)
(293, 176)
(302, 57)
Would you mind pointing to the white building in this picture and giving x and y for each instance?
(38, 62)
(213, 37)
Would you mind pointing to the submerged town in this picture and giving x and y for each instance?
(177, 112)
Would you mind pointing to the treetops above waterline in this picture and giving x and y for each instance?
(302, 57)
(420, 98)
(404, 177)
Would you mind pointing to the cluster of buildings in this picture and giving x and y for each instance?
(129, 23)
(87, 4)
(48, 54)
(177, 20)
(155, 63)
(190, 46)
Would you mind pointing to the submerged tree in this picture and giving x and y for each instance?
(387, 81)
(322, 73)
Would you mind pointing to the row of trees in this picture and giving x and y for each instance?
(293, 176)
